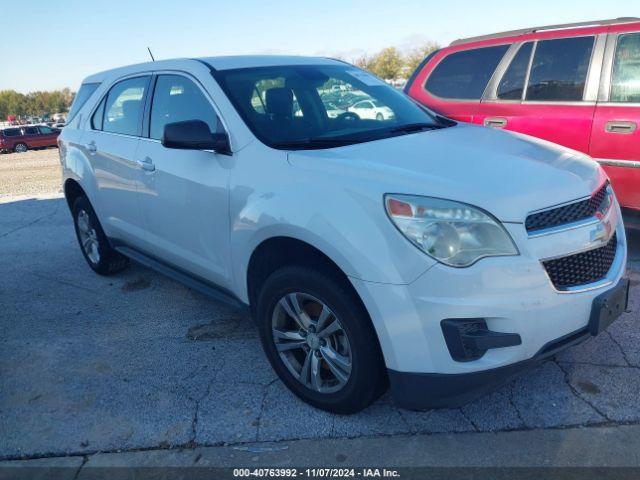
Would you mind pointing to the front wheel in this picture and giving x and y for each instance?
(379, 117)
(319, 339)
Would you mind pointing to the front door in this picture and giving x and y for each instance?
(32, 137)
(184, 193)
(553, 105)
(615, 139)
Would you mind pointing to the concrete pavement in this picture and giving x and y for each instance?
(139, 362)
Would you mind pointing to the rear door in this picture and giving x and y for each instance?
(547, 89)
(615, 140)
(110, 142)
(184, 194)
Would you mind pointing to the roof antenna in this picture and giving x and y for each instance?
(151, 54)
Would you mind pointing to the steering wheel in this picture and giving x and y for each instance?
(348, 117)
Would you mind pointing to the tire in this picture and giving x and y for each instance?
(20, 147)
(94, 244)
(379, 117)
(335, 388)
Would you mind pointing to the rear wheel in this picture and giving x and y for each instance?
(95, 247)
(20, 148)
(319, 339)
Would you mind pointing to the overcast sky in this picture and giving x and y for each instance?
(57, 43)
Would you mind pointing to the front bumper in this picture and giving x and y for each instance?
(511, 294)
(419, 391)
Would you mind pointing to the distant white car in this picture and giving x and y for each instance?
(371, 110)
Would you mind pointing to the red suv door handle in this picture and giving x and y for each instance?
(620, 127)
(495, 122)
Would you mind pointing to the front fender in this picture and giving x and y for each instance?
(345, 222)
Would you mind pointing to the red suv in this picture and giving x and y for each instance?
(20, 139)
(577, 85)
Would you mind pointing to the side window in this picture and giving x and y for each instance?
(45, 130)
(465, 74)
(11, 132)
(124, 106)
(31, 131)
(98, 116)
(512, 83)
(625, 80)
(559, 69)
(176, 99)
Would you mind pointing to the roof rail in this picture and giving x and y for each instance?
(564, 26)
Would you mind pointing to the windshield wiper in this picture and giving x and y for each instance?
(314, 143)
(415, 127)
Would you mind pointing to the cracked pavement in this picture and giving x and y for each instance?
(137, 361)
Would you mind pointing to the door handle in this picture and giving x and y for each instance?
(620, 127)
(91, 146)
(495, 122)
(146, 164)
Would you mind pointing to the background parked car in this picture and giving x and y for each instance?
(577, 85)
(21, 139)
(371, 110)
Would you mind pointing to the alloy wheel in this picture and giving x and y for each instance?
(88, 237)
(311, 342)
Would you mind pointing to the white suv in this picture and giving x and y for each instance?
(439, 258)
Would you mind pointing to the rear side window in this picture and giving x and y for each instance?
(559, 69)
(124, 107)
(512, 83)
(11, 132)
(625, 82)
(86, 90)
(31, 131)
(45, 130)
(98, 115)
(177, 99)
(464, 75)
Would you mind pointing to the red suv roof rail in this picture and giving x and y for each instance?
(513, 33)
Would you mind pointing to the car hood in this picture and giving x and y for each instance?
(505, 173)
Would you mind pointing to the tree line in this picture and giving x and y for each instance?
(389, 64)
(392, 64)
(34, 103)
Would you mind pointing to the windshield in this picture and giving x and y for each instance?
(321, 106)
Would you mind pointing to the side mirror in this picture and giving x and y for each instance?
(194, 135)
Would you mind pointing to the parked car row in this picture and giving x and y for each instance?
(21, 139)
(575, 85)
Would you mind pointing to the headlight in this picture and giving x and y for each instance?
(453, 233)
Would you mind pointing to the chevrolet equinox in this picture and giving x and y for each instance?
(402, 249)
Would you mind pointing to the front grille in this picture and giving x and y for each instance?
(567, 213)
(582, 268)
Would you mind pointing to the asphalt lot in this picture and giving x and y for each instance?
(137, 361)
